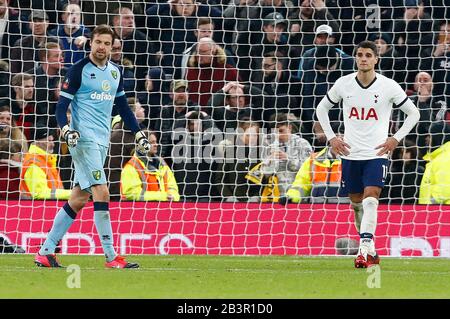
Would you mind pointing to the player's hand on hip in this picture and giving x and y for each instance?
(387, 147)
(142, 144)
(70, 136)
(339, 146)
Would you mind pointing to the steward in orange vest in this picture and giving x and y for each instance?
(319, 179)
(40, 178)
(146, 178)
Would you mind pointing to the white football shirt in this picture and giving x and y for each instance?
(366, 111)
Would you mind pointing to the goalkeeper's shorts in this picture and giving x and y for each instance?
(89, 158)
(357, 175)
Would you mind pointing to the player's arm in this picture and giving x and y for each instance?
(143, 145)
(69, 87)
(413, 116)
(331, 99)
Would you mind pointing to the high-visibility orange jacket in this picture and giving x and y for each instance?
(138, 183)
(319, 177)
(40, 178)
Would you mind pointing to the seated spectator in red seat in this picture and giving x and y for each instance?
(9, 169)
(22, 105)
(208, 71)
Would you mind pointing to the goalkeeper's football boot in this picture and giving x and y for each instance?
(48, 261)
(120, 262)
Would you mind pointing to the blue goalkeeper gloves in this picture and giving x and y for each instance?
(70, 136)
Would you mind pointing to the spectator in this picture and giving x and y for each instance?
(40, 176)
(173, 115)
(435, 186)
(318, 180)
(320, 68)
(303, 24)
(11, 30)
(228, 106)
(9, 130)
(270, 38)
(72, 34)
(25, 52)
(148, 177)
(436, 60)
(235, 157)
(172, 25)
(122, 146)
(192, 156)
(4, 81)
(413, 36)
(10, 159)
(155, 95)
(246, 17)
(137, 47)
(129, 82)
(207, 71)
(276, 81)
(405, 176)
(285, 153)
(238, 24)
(432, 109)
(22, 105)
(47, 77)
(390, 63)
(205, 29)
(282, 157)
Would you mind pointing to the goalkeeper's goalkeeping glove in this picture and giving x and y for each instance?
(70, 136)
(143, 145)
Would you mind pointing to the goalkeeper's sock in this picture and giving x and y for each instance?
(358, 210)
(103, 225)
(63, 220)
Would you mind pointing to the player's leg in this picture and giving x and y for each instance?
(356, 202)
(374, 177)
(61, 224)
(351, 183)
(369, 223)
(100, 196)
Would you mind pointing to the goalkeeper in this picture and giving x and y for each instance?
(91, 86)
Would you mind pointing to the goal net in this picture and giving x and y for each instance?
(226, 91)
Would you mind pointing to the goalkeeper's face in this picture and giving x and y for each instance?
(101, 46)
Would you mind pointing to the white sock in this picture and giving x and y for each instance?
(358, 210)
(369, 220)
(368, 225)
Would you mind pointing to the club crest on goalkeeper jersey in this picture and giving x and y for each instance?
(92, 90)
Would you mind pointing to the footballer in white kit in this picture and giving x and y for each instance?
(367, 101)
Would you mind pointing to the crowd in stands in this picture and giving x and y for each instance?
(226, 91)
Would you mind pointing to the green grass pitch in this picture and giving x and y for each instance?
(215, 277)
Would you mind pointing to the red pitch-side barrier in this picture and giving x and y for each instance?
(231, 229)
